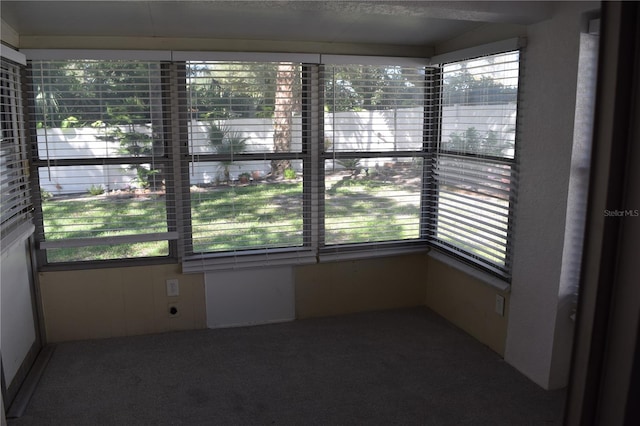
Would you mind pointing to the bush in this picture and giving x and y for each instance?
(289, 173)
(44, 194)
(350, 163)
(96, 190)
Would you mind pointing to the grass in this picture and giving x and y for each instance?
(241, 217)
(105, 216)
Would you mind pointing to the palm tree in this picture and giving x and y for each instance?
(226, 142)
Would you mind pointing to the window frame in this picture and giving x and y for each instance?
(456, 252)
(164, 160)
(357, 250)
(232, 259)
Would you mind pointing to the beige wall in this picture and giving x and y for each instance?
(98, 303)
(467, 303)
(336, 288)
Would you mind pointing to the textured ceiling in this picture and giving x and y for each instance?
(417, 23)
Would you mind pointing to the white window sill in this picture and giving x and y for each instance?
(256, 259)
(345, 255)
(482, 276)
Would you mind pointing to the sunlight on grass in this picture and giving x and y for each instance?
(104, 216)
(270, 215)
(370, 210)
(247, 217)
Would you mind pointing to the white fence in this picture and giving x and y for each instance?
(344, 131)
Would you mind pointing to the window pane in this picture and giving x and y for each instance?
(372, 200)
(234, 207)
(244, 107)
(79, 202)
(373, 108)
(89, 109)
(479, 105)
(474, 206)
(474, 168)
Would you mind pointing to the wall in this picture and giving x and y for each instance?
(547, 132)
(98, 303)
(467, 302)
(101, 303)
(17, 328)
(336, 288)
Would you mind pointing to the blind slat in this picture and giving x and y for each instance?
(474, 167)
(15, 200)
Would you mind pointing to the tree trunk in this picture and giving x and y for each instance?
(283, 116)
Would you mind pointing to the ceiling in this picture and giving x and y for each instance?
(409, 23)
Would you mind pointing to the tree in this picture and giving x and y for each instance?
(121, 128)
(226, 142)
(464, 88)
(472, 142)
(369, 88)
(468, 142)
(283, 116)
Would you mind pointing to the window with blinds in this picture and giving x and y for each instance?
(373, 152)
(248, 158)
(219, 163)
(15, 197)
(101, 159)
(474, 170)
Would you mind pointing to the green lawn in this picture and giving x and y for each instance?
(226, 218)
(239, 217)
(105, 216)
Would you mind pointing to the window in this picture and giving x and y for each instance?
(15, 198)
(246, 155)
(102, 164)
(222, 164)
(474, 170)
(373, 152)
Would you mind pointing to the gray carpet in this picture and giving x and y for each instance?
(403, 367)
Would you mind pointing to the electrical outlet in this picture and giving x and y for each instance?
(500, 305)
(174, 310)
(173, 288)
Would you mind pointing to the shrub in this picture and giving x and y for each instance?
(46, 195)
(289, 173)
(96, 190)
(350, 163)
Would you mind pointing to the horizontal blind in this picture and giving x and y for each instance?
(246, 157)
(15, 196)
(373, 151)
(473, 171)
(100, 152)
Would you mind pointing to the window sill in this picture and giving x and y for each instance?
(358, 253)
(255, 259)
(481, 276)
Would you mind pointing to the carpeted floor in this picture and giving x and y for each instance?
(402, 367)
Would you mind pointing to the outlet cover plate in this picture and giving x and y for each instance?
(173, 288)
